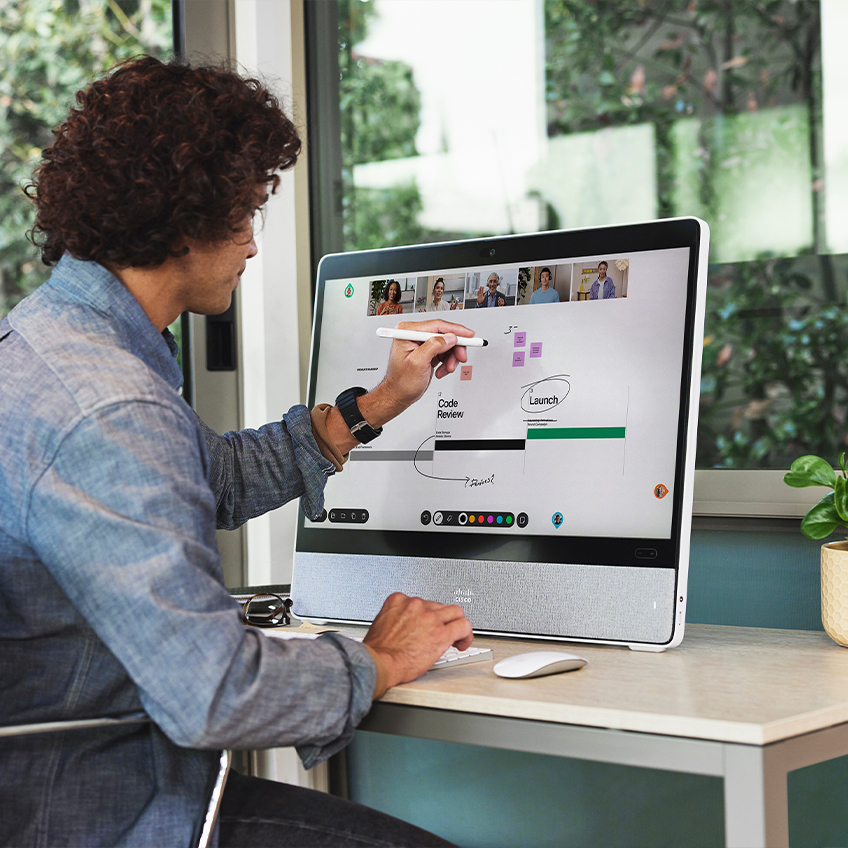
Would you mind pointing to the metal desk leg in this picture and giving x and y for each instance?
(756, 810)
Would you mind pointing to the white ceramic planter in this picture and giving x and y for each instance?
(834, 591)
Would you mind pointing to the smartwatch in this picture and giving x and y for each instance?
(359, 428)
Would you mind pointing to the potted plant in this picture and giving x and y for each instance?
(822, 520)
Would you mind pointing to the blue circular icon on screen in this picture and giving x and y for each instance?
(556, 519)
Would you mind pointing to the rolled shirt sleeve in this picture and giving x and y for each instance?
(130, 540)
(254, 471)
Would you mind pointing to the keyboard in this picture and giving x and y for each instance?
(449, 659)
(452, 657)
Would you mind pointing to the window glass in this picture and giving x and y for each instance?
(521, 115)
(49, 49)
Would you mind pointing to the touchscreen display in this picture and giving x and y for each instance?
(564, 425)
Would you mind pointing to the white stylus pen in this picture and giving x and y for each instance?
(418, 336)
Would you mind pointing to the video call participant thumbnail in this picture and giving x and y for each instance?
(603, 288)
(437, 302)
(545, 293)
(391, 305)
(493, 297)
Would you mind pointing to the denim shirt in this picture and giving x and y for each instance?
(112, 597)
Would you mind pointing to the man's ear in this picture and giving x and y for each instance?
(180, 248)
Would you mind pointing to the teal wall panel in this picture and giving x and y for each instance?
(485, 798)
(818, 812)
(754, 579)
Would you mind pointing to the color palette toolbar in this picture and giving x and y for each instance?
(469, 519)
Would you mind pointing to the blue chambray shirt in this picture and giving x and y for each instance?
(111, 591)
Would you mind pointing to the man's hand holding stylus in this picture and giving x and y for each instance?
(410, 369)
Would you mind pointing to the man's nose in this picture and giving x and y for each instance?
(253, 249)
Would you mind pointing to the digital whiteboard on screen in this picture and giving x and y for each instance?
(567, 418)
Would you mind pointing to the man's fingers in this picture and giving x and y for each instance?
(436, 325)
(466, 642)
(450, 612)
(445, 368)
(434, 348)
(399, 599)
(450, 362)
(440, 352)
(460, 633)
(445, 613)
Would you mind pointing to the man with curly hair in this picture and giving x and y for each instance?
(111, 590)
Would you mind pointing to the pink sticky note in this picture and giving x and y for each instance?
(518, 359)
(520, 340)
(465, 372)
(535, 350)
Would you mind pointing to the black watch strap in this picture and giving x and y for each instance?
(359, 428)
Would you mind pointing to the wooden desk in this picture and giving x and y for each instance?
(745, 704)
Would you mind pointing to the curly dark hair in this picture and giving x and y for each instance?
(155, 152)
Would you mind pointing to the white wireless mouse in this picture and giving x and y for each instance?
(537, 663)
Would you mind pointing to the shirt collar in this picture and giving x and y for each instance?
(91, 284)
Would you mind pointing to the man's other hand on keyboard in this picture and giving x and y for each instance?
(410, 634)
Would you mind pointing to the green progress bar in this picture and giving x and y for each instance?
(576, 433)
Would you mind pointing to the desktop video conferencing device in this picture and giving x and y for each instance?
(546, 486)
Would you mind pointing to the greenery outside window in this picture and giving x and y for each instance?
(49, 50)
(566, 113)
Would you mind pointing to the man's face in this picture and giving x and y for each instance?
(210, 272)
(214, 270)
(493, 284)
(545, 279)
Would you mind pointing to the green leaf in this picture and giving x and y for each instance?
(822, 519)
(810, 471)
(840, 499)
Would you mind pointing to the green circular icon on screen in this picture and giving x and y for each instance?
(349, 290)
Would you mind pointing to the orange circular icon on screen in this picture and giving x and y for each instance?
(660, 491)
